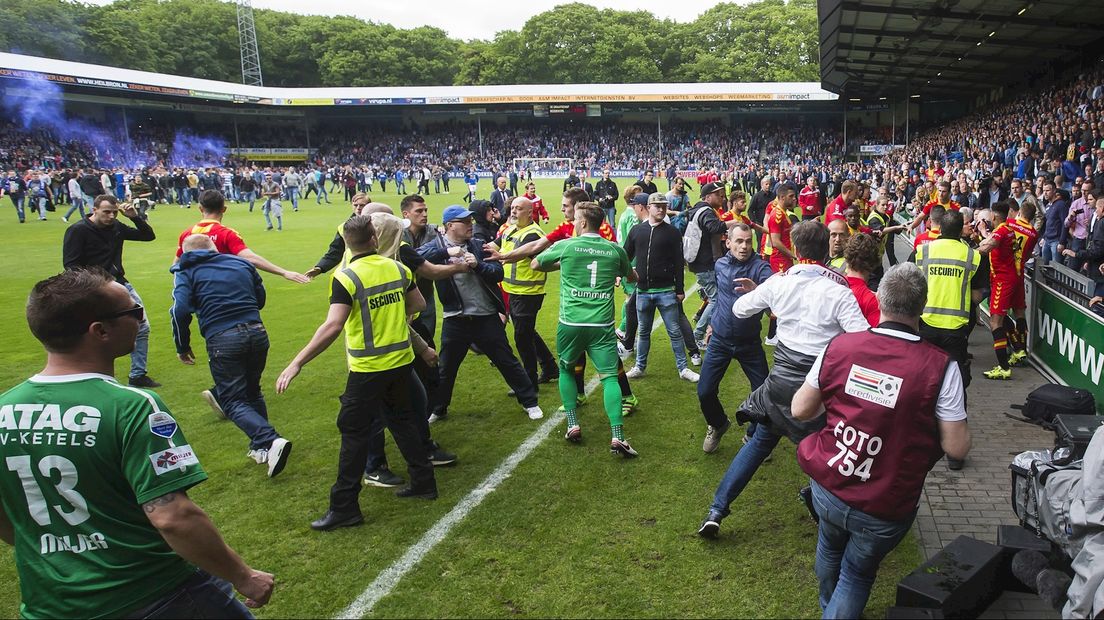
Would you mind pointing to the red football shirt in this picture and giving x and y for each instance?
(227, 240)
(1002, 258)
(566, 230)
(923, 238)
(809, 199)
(778, 221)
(954, 206)
(835, 210)
(868, 301)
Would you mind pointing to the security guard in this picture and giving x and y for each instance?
(952, 269)
(370, 299)
(525, 287)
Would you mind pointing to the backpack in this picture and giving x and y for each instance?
(692, 237)
(1048, 401)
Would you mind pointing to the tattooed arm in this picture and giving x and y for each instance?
(191, 534)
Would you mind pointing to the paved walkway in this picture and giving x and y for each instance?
(975, 500)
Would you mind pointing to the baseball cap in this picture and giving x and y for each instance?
(640, 199)
(657, 198)
(455, 212)
(709, 188)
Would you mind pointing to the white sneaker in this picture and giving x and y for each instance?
(622, 350)
(689, 375)
(278, 454)
(213, 403)
(771, 342)
(620, 334)
(695, 359)
(260, 456)
(535, 413)
(635, 372)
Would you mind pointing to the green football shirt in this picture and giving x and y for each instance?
(589, 268)
(80, 455)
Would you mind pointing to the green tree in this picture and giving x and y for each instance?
(50, 28)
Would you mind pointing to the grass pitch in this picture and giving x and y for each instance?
(573, 532)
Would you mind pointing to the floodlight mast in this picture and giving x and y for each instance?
(247, 41)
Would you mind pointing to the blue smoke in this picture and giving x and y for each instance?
(40, 108)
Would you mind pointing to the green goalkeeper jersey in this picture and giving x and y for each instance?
(80, 455)
(589, 268)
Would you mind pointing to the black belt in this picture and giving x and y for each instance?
(241, 327)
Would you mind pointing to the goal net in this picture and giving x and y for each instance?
(544, 167)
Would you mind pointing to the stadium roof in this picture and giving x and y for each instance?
(75, 74)
(898, 48)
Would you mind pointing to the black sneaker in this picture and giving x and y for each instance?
(144, 381)
(409, 491)
(549, 377)
(955, 464)
(383, 478)
(710, 526)
(441, 458)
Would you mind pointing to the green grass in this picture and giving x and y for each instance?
(573, 532)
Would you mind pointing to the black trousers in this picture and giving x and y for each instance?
(956, 342)
(489, 334)
(530, 346)
(368, 396)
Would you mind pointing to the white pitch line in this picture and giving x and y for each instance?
(386, 581)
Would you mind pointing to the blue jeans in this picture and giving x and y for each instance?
(747, 461)
(76, 202)
(646, 304)
(1050, 250)
(293, 195)
(250, 197)
(322, 194)
(850, 546)
(707, 282)
(19, 202)
(140, 354)
(718, 355)
(200, 596)
(39, 203)
(237, 359)
(183, 196)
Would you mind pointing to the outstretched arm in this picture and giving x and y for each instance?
(264, 264)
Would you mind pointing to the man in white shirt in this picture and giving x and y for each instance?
(76, 197)
(813, 305)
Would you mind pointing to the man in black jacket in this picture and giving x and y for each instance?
(471, 305)
(704, 216)
(757, 210)
(97, 241)
(657, 248)
(646, 184)
(606, 195)
(487, 219)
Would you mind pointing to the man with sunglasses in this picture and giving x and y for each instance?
(97, 241)
(96, 498)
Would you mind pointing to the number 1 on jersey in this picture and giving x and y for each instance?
(593, 267)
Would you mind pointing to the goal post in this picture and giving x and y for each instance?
(545, 167)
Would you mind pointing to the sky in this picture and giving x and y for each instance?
(469, 19)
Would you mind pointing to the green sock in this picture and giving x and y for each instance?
(611, 399)
(572, 419)
(619, 432)
(569, 393)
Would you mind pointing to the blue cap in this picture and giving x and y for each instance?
(640, 199)
(455, 212)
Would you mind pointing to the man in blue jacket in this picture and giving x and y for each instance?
(472, 309)
(732, 338)
(226, 295)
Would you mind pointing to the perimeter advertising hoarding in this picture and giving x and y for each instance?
(1069, 342)
(258, 154)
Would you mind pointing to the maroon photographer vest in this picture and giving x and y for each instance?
(881, 436)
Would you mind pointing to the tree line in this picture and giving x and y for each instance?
(767, 40)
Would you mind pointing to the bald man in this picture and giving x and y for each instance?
(226, 294)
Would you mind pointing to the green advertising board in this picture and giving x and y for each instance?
(1069, 342)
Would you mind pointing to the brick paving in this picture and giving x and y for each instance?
(975, 500)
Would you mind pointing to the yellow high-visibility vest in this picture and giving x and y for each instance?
(520, 278)
(376, 334)
(948, 265)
